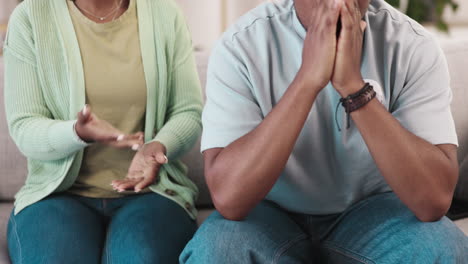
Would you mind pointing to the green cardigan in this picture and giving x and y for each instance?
(44, 91)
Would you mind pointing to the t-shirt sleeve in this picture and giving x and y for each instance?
(231, 110)
(423, 105)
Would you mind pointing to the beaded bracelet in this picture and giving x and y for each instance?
(354, 102)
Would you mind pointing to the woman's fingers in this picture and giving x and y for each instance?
(149, 179)
(126, 184)
(133, 141)
(84, 115)
(161, 158)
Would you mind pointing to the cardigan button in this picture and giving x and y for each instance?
(188, 206)
(170, 192)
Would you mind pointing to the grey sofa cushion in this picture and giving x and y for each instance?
(12, 163)
(457, 54)
(5, 211)
(194, 159)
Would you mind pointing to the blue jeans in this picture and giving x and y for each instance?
(379, 229)
(63, 228)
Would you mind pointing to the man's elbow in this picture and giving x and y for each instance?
(434, 211)
(224, 200)
(229, 210)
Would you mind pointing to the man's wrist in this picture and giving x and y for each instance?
(351, 88)
(306, 86)
(77, 136)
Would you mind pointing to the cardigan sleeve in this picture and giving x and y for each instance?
(31, 124)
(183, 117)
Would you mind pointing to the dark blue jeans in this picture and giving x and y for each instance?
(378, 230)
(63, 228)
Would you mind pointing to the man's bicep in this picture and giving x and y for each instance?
(423, 105)
(209, 157)
(231, 109)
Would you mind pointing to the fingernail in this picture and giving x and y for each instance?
(137, 191)
(135, 147)
(85, 109)
(166, 160)
(120, 137)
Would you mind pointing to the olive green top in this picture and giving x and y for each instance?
(116, 91)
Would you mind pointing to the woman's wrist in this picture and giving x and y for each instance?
(77, 136)
(158, 146)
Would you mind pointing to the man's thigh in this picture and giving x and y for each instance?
(59, 229)
(382, 229)
(267, 235)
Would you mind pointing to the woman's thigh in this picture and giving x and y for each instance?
(59, 229)
(148, 229)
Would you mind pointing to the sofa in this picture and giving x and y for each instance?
(13, 164)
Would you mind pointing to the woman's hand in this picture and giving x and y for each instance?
(92, 129)
(144, 168)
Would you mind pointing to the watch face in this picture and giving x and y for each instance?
(380, 95)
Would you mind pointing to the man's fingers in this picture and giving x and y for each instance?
(357, 10)
(363, 26)
(337, 4)
(346, 17)
(335, 10)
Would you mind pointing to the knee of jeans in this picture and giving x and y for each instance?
(441, 233)
(434, 240)
(218, 239)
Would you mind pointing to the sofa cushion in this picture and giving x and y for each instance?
(194, 159)
(12, 163)
(5, 211)
(456, 52)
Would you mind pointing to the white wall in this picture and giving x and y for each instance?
(460, 17)
(207, 19)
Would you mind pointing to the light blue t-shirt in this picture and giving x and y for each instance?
(257, 59)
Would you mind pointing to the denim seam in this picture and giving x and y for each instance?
(287, 245)
(347, 212)
(15, 229)
(107, 247)
(347, 253)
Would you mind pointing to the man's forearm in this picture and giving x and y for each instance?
(243, 173)
(421, 174)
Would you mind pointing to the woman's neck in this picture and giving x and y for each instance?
(99, 7)
(102, 11)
